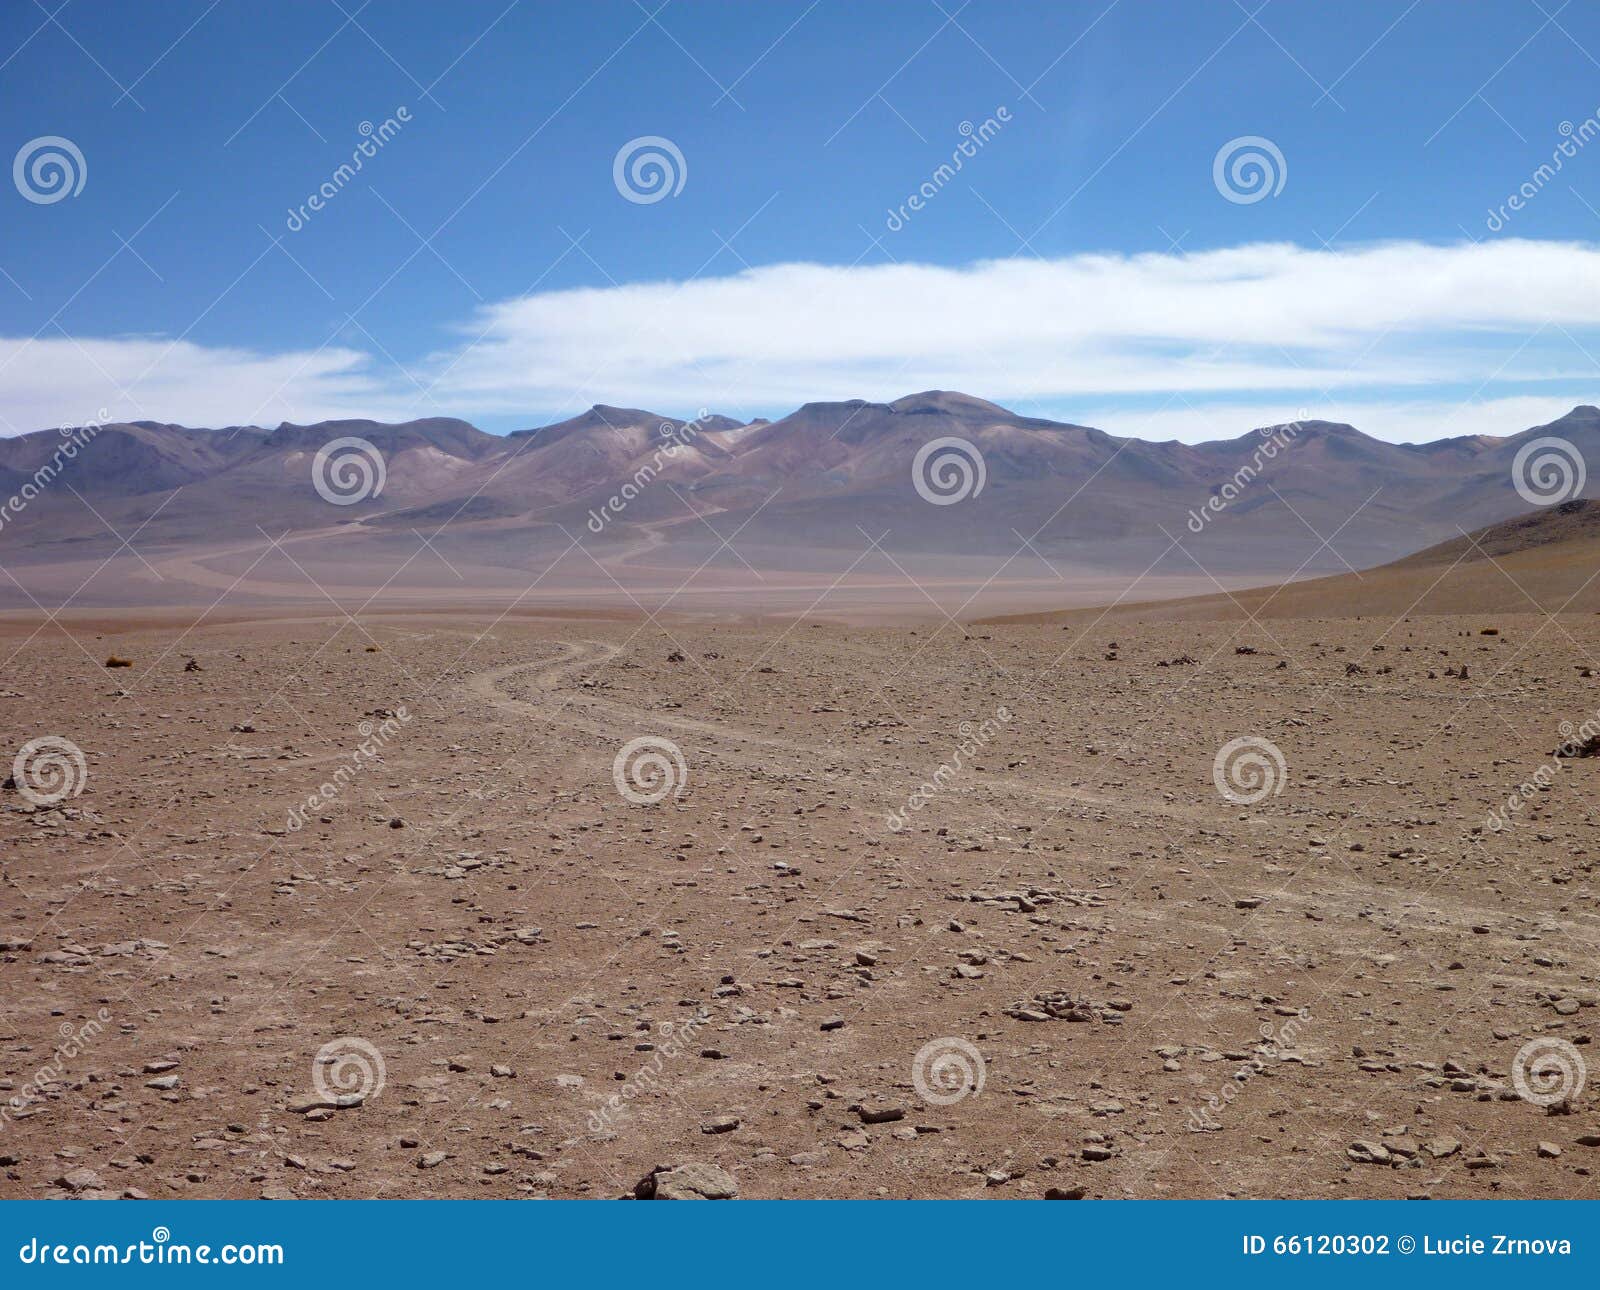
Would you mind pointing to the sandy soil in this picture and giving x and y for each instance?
(478, 969)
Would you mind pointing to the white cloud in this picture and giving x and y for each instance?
(1254, 318)
(57, 381)
(1248, 327)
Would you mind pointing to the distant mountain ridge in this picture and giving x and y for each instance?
(819, 477)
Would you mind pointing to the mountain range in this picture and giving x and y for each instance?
(640, 488)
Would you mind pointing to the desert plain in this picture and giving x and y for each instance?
(944, 909)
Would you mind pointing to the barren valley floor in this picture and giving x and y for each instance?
(1078, 968)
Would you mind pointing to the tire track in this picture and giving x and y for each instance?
(580, 712)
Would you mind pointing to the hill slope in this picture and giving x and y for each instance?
(1547, 561)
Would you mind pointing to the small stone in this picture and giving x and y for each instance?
(325, 1102)
(432, 1160)
(1548, 1151)
(722, 1124)
(833, 1023)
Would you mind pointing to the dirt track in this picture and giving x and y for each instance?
(1075, 910)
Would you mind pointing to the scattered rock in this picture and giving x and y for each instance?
(694, 1180)
(80, 1179)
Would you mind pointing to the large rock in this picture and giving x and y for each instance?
(692, 1181)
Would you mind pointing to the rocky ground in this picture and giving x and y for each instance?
(370, 908)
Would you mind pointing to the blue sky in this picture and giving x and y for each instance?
(1082, 263)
